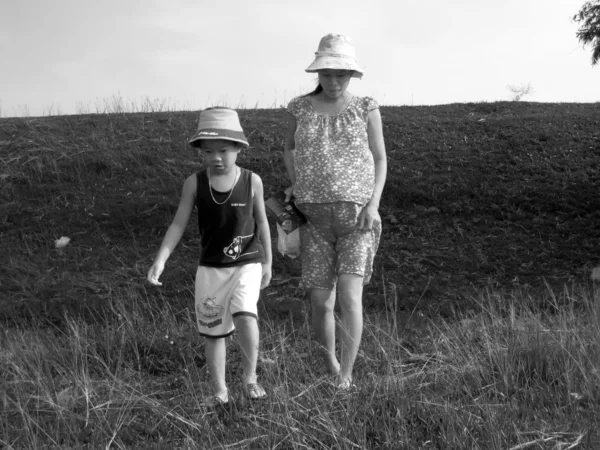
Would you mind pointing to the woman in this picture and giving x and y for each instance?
(335, 159)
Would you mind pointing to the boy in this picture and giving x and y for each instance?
(235, 257)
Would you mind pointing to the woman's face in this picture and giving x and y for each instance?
(334, 82)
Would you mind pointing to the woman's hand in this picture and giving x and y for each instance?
(368, 218)
(289, 192)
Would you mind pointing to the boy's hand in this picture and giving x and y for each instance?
(154, 273)
(266, 276)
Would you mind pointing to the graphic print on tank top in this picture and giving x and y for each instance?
(234, 250)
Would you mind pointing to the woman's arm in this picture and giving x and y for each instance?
(288, 156)
(377, 146)
(176, 229)
(260, 216)
(370, 215)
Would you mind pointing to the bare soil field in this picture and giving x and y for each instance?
(482, 325)
(478, 196)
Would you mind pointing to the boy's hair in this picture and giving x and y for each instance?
(219, 123)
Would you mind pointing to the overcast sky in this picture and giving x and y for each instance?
(71, 56)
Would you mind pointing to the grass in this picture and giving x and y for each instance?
(481, 323)
(501, 377)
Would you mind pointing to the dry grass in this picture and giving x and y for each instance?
(502, 377)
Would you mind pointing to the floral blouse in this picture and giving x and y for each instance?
(332, 158)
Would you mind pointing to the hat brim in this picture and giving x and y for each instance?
(335, 63)
(216, 133)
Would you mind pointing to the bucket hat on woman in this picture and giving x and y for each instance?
(336, 51)
(219, 123)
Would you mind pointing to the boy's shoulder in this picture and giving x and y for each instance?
(248, 173)
(196, 176)
(245, 172)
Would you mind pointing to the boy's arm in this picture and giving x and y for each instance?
(288, 155)
(176, 229)
(260, 216)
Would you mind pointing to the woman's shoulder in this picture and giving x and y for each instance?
(298, 104)
(366, 103)
(362, 106)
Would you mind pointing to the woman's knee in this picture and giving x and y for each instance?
(322, 300)
(350, 288)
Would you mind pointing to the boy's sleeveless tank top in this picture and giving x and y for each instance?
(228, 232)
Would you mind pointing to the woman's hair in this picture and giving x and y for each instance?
(318, 89)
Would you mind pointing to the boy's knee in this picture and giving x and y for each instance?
(244, 321)
(211, 341)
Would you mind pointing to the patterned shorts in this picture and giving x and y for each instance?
(332, 244)
(223, 293)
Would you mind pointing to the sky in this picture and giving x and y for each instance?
(80, 56)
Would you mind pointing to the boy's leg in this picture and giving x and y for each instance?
(323, 323)
(244, 312)
(215, 353)
(247, 330)
(212, 294)
(350, 288)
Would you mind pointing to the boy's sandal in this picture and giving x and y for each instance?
(255, 391)
(345, 386)
(215, 401)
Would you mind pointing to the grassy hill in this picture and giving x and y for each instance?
(482, 323)
(500, 195)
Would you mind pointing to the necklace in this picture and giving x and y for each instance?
(210, 188)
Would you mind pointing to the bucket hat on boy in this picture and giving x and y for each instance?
(336, 51)
(219, 123)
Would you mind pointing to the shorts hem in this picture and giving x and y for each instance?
(311, 285)
(216, 337)
(244, 313)
(366, 278)
(362, 275)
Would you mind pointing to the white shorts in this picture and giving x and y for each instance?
(223, 293)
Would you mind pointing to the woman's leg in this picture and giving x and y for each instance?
(323, 323)
(350, 288)
(215, 353)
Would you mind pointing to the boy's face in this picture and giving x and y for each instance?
(219, 154)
